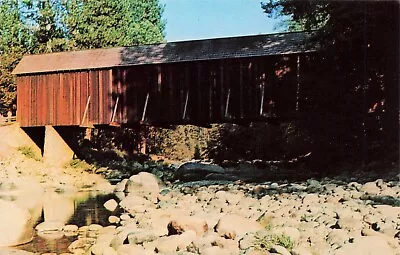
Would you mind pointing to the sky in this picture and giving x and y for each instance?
(200, 19)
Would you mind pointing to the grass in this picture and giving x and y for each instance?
(29, 153)
(77, 163)
(265, 242)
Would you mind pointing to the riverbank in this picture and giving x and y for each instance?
(350, 213)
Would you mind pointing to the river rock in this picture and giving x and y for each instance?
(125, 216)
(279, 249)
(191, 171)
(231, 226)
(171, 244)
(141, 236)
(15, 222)
(131, 249)
(109, 251)
(13, 251)
(314, 186)
(111, 205)
(49, 226)
(337, 237)
(113, 219)
(366, 245)
(102, 249)
(215, 250)
(292, 233)
(182, 224)
(81, 244)
(120, 187)
(143, 184)
(135, 204)
(370, 188)
(300, 250)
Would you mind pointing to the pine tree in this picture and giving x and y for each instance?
(102, 23)
(42, 26)
(14, 42)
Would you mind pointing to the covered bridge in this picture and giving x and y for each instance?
(196, 82)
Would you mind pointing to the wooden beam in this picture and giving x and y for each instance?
(221, 80)
(241, 91)
(145, 107)
(199, 111)
(298, 83)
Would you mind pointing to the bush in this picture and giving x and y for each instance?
(77, 163)
(265, 242)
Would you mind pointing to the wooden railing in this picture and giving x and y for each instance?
(7, 120)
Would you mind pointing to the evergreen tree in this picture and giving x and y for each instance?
(47, 31)
(15, 40)
(102, 23)
(42, 26)
(360, 65)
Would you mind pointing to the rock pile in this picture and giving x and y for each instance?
(312, 217)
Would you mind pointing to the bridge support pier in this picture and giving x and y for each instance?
(56, 151)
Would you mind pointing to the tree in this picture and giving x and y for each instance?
(43, 26)
(102, 23)
(360, 64)
(14, 42)
(48, 33)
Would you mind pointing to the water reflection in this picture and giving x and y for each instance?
(81, 209)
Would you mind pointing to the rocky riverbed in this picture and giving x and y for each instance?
(346, 214)
(328, 216)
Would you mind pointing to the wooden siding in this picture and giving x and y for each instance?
(198, 92)
(59, 99)
(233, 90)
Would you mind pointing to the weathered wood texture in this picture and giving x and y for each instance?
(214, 91)
(59, 99)
(197, 92)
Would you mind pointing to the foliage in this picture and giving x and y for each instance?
(354, 112)
(77, 163)
(97, 24)
(43, 26)
(264, 241)
(14, 42)
(258, 141)
(8, 61)
(179, 142)
(29, 153)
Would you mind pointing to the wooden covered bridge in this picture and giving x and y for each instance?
(238, 79)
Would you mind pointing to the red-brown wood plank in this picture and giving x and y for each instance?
(84, 85)
(100, 98)
(50, 92)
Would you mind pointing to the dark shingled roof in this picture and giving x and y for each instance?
(208, 49)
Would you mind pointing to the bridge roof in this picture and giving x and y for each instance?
(171, 52)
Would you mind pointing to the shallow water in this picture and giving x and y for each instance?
(81, 209)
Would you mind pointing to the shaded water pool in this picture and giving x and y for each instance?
(81, 209)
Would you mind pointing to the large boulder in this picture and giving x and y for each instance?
(370, 188)
(145, 185)
(135, 204)
(230, 226)
(366, 245)
(15, 224)
(171, 244)
(182, 224)
(192, 171)
(19, 216)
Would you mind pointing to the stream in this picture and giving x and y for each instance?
(81, 209)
